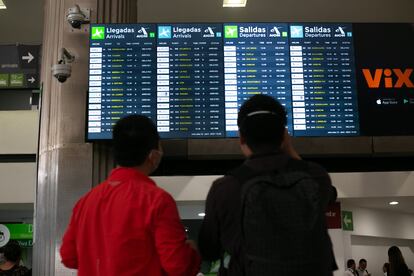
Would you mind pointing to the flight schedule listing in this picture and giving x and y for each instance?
(191, 79)
(324, 96)
(122, 75)
(256, 61)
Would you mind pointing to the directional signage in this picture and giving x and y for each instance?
(19, 66)
(4, 235)
(22, 233)
(347, 221)
(333, 216)
(28, 58)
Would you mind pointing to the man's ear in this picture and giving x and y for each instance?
(242, 140)
(244, 147)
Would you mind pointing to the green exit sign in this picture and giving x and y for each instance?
(347, 221)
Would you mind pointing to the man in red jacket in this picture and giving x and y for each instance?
(127, 225)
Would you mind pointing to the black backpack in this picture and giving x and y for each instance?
(283, 223)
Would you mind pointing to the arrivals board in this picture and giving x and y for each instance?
(189, 80)
(192, 78)
(122, 76)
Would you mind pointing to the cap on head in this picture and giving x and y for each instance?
(262, 121)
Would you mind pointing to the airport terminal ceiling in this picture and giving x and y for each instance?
(14, 29)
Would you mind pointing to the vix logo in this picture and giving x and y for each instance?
(403, 78)
(98, 33)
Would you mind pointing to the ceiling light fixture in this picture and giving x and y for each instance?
(234, 3)
(201, 214)
(2, 5)
(394, 203)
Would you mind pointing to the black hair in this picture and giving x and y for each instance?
(362, 261)
(350, 263)
(395, 258)
(12, 252)
(262, 121)
(134, 137)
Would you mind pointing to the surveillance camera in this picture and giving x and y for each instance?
(62, 71)
(76, 16)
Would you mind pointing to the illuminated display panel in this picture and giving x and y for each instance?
(190, 79)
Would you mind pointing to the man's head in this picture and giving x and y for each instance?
(363, 264)
(262, 121)
(350, 264)
(386, 267)
(12, 252)
(136, 143)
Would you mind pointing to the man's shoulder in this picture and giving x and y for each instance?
(223, 188)
(139, 187)
(307, 166)
(149, 189)
(226, 182)
(314, 170)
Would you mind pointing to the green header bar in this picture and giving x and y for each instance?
(20, 231)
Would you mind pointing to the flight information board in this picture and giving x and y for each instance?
(191, 79)
(122, 76)
(323, 80)
(256, 60)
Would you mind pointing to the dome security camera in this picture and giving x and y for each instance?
(63, 70)
(76, 16)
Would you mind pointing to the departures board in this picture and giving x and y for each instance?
(192, 78)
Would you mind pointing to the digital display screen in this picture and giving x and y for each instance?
(122, 76)
(256, 60)
(323, 80)
(385, 77)
(191, 79)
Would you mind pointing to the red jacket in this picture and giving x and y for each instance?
(127, 226)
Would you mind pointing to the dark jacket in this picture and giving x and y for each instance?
(401, 270)
(16, 270)
(221, 228)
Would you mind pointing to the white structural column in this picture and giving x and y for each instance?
(65, 160)
(67, 163)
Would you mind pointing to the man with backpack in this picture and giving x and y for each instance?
(268, 215)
